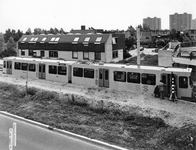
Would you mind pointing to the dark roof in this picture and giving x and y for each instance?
(67, 38)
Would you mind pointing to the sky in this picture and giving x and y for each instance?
(99, 14)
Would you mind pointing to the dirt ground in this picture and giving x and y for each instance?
(175, 114)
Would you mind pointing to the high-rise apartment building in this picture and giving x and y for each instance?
(180, 22)
(152, 23)
(193, 24)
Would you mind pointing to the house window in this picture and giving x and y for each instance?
(17, 65)
(114, 40)
(149, 79)
(52, 69)
(42, 53)
(86, 55)
(75, 55)
(120, 76)
(133, 77)
(22, 52)
(88, 73)
(78, 72)
(115, 54)
(53, 54)
(30, 52)
(97, 56)
(62, 70)
(32, 67)
(183, 82)
(24, 66)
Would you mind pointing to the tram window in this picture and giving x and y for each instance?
(4, 64)
(88, 73)
(149, 79)
(24, 66)
(120, 76)
(106, 74)
(32, 67)
(133, 77)
(183, 82)
(62, 70)
(52, 69)
(78, 72)
(17, 65)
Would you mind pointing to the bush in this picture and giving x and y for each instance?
(31, 91)
(45, 95)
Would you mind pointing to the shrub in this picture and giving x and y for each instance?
(31, 91)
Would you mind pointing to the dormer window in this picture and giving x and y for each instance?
(76, 39)
(35, 39)
(52, 39)
(87, 39)
(98, 40)
(32, 39)
(24, 39)
(57, 39)
(44, 39)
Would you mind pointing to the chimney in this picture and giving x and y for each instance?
(82, 27)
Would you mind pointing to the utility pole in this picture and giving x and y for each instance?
(27, 80)
(138, 46)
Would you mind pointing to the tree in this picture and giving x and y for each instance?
(28, 32)
(10, 51)
(37, 31)
(62, 31)
(51, 31)
(1, 42)
(7, 35)
(11, 44)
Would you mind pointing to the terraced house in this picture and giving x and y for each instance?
(90, 46)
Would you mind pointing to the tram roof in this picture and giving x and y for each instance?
(113, 65)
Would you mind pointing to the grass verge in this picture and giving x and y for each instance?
(100, 120)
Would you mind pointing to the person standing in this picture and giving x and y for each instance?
(161, 89)
(173, 96)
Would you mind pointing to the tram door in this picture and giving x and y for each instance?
(42, 71)
(9, 67)
(103, 78)
(166, 78)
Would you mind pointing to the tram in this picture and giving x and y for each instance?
(120, 77)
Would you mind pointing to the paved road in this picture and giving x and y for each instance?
(35, 137)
